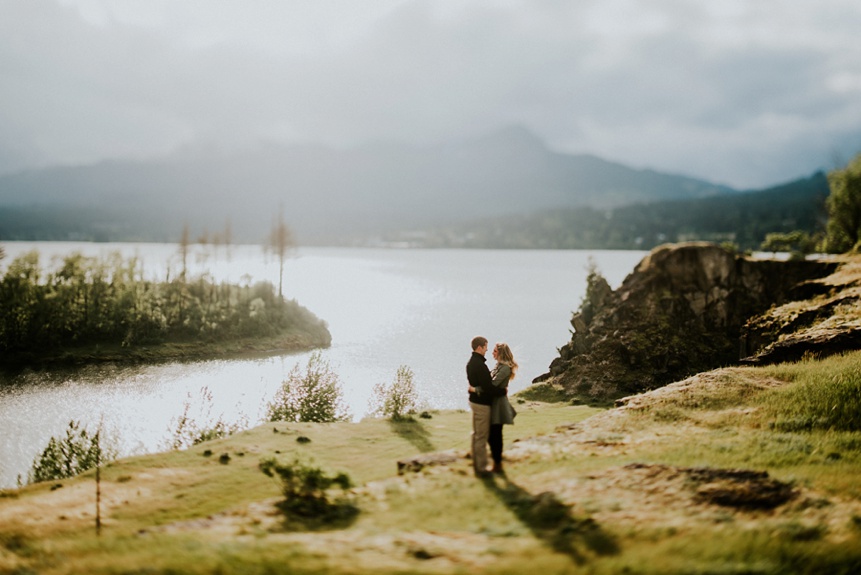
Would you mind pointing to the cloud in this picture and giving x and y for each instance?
(743, 92)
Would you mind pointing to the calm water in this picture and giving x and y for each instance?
(385, 308)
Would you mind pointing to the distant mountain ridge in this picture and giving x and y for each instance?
(744, 219)
(329, 196)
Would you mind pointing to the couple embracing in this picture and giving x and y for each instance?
(488, 399)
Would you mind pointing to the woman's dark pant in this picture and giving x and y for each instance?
(495, 441)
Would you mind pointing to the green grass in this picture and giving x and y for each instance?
(822, 395)
(170, 488)
(544, 391)
(538, 519)
(800, 421)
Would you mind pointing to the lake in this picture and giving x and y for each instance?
(385, 308)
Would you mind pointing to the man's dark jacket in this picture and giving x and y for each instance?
(479, 377)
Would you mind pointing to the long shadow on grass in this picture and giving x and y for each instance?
(551, 521)
(413, 431)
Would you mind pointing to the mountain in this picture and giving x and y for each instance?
(328, 195)
(742, 218)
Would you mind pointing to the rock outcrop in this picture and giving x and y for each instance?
(681, 311)
(826, 321)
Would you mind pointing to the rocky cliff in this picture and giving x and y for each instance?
(824, 319)
(686, 308)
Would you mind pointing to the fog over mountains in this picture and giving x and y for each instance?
(328, 195)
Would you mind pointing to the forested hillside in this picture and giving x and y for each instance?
(744, 219)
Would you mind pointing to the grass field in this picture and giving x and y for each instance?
(739, 470)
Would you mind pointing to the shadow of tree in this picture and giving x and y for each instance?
(311, 502)
(413, 431)
(337, 515)
(551, 521)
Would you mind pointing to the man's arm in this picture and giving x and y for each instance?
(486, 386)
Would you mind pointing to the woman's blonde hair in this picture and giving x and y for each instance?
(504, 355)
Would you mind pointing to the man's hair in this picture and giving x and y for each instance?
(478, 342)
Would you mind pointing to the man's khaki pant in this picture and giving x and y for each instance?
(480, 434)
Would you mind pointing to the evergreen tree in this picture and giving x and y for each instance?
(844, 208)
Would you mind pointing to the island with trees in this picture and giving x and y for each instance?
(88, 309)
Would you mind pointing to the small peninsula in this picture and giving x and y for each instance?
(89, 309)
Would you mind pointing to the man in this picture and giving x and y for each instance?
(481, 393)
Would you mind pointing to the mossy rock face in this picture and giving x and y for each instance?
(681, 311)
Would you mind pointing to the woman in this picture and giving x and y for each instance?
(501, 411)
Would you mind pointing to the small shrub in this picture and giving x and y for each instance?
(71, 455)
(396, 401)
(798, 243)
(314, 396)
(218, 430)
(307, 492)
(186, 431)
(730, 247)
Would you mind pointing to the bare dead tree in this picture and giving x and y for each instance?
(280, 243)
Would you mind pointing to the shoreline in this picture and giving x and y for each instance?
(164, 352)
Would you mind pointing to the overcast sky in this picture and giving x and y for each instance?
(742, 92)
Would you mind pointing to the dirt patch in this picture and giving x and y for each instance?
(709, 389)
(737, 488)
(73, 504)
(664, 496)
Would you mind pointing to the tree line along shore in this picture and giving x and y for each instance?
(94, 309)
